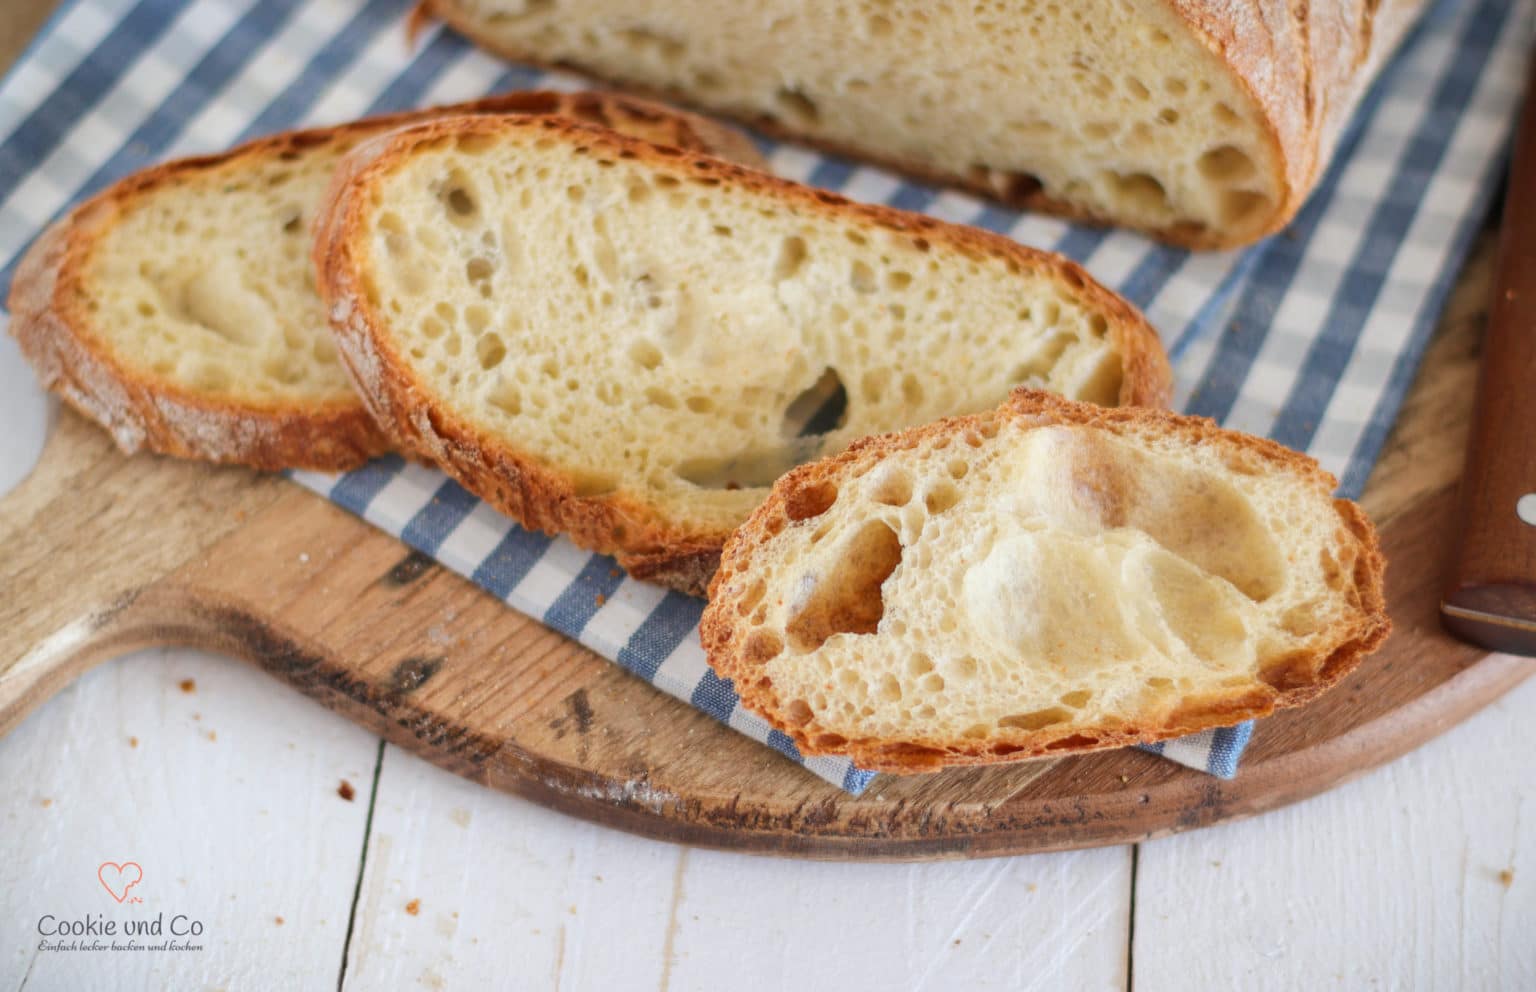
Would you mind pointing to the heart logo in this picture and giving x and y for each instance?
(117, 879)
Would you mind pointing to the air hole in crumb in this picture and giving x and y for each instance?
(477, 317)
(753, 595)
(1226, 163)
(474, 144)
(940, 497)
(911, 390)
(645, 354)
(848, 599)
(919, 665)
(762, 645)
(657, 396)
(964, 668)
(862, 278)
(595, 484)
(820, 408)
(791, 256)
(1038, 720)
(797, 106)
(797, 713)
(1238, 205)
(460, 203)
(477, 269)
(806, 502)
(490, 351)
(893, 488)
(505, 397)
(1140, 190)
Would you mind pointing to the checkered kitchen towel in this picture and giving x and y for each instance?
(1311, 337)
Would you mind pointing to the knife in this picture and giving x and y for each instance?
(1490, 593)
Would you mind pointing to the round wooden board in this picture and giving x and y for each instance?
(107, 553)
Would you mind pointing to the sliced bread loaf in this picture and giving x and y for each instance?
(1046, 578)
(1206, 122)
(617, 341)
(177, 308)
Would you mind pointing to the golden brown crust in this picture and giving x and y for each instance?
(1295, 680)
(1305, 66)
(541, 497)
(56, 334)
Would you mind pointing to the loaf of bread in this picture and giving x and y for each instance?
(1203, 122)
(1046, 578)
(177, 308)
(618, 341)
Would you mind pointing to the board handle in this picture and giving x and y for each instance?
(87, 537)
(1490, 592)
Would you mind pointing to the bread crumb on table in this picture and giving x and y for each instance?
(1507, 877)
(413, 907)
(345, 790)
(188, 685)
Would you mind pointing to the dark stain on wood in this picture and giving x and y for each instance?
(412, 673)
(578, 712)
(408, 569)
(256, 639)
(581, 709)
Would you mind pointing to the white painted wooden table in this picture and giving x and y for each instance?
(224, 787)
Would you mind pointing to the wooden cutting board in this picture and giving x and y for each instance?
(106, 553)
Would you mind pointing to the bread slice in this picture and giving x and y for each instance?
(1046, 578)
(177, 308)
(1205, 122)
(616, 341)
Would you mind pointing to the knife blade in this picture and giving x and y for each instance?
(1490, 591)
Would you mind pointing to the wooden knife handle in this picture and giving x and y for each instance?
(1490, 594)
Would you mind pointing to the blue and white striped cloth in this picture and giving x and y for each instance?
(1310, 338)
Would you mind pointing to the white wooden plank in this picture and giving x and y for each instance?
(226, 796)
(1394, 881)
(501, 883)
(1055, 921)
